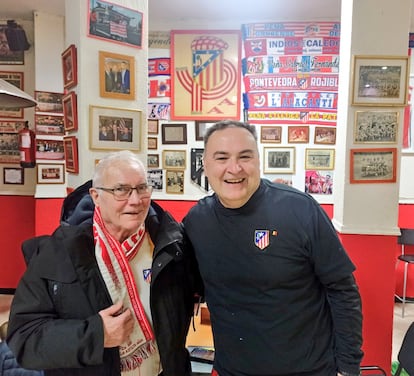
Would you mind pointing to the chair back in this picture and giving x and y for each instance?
(406, 237)
(405, 355)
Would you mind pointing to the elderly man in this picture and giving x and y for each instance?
(112, 296)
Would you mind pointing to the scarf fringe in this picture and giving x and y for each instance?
(135, 360)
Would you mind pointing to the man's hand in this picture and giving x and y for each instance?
(117, 323)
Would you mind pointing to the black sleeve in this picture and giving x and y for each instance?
(345, 304)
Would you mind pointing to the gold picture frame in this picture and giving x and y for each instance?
(114, 128)
(116, 76)
(376, 127)
(319, 159)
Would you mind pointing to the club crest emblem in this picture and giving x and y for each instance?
(147, 275)
(261, 238)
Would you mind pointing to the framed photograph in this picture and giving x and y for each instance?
(70, 67)
(153, 160)
(16, 79)
(115, 128)
(175, 181)
(373, 165)
(174, 159)
(9, 141)
(376, 127)
(71, 154)
(279, 160)
(298, 134)
(152, 143)
(49, 102)
(50, 173)
(325, 135)
(70, 112)
(49, 124)
(380, 80)
(155, 178)
(198, 176)
(116, 76)
(270, 134)
(152, 126)
(13, 175)
(319, 159)
(49, 149)
(7, 56)
(174, 134)
(114, 23)
(200, 129)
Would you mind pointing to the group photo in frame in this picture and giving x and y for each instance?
(380, 80)
(319, 159)
(70, 111)
(174, 159)
(114, 128)
(49, 102)
(70, 67)
(271, 134)
(16, 79)
(50, 173)
(325, 135)
(13, 175)
(70, 144)
(373, 165)
(9, 141)
(174, 134)
(114, 23)
(279, 160)
(175, 181)
(49, 148)
(49, 124)
(116, 76)
(376, 126)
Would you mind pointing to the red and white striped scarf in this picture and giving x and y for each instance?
(114, 261)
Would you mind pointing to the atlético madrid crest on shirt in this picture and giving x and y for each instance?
(261, 238)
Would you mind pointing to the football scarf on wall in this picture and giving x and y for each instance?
(290, 72)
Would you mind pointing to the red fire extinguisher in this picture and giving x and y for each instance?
(27, 147)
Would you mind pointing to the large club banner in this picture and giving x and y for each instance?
(290, 72)
(206, 74)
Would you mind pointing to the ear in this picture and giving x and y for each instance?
(94, 194)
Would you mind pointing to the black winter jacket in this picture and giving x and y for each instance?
(54, 322)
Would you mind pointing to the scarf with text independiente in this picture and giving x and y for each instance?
(116, 263)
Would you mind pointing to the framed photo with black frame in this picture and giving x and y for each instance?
(174, 134)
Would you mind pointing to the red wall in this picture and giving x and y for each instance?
(374, 257)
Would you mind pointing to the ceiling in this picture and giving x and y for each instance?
(219, 10)
(197, 9)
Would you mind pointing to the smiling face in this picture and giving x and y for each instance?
(122, 218)
(231, 163)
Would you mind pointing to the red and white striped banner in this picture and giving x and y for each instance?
(292, 100)
(314, 82)
(318, 117)
(291, 29)
(291, 64)
(292, 46)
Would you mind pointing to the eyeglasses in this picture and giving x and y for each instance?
(123, 192)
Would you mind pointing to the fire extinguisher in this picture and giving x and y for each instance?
(27, 147)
